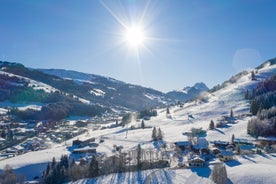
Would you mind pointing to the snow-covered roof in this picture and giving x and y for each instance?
(246, 147)
(267, 138)
(226, 153)
(196, 159)
(201, 143)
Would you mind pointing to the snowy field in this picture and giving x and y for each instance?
(246, 169)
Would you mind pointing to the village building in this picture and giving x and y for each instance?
(221, 144)
(246, 149)
(183, 145)
(84, 150)
(78, 143)
(196, 162)
(226, 155)
(267, 143)
(200, 145)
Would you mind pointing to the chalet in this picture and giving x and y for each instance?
(215, 162)
(220, 144)
(200, 144)
(246, 149)
(215, 150)
(196, 162)
(79, 143)
(183, 145)
(242, 141)
(226, 155)
(266, 141)
(84, 150)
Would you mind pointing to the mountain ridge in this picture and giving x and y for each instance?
(188, 92)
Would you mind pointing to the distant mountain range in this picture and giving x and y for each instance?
(188, 93)
(20, 83)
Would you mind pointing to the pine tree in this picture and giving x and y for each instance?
(64, 161)
(233, 138)
(47, 172)
(212, 125)
(53, 165)
(154, 134)
(238, 149)
(143, 124)
(231, 113)
(168, 110)
(73, 163)
(62, 174)
(159, 134)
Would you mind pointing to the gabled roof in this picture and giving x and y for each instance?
(197, 159)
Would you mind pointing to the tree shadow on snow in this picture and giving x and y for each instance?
(121, 131)
(121, 177)
(202, 172)
(139, 177)
(219, 131)
(266, 156)
(233, 163)
(247, 158)
(158, 144)
(229, 181)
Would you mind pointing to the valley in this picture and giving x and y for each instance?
(177, 123)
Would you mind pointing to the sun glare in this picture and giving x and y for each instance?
(134, 36)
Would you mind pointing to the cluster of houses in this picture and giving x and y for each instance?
(19, 138)
(199, 151)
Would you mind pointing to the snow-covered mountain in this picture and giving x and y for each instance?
(216, 105)
(87, 88)
(188, 93)
(77, 76)
(111, 92)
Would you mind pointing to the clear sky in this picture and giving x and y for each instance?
(186, 41)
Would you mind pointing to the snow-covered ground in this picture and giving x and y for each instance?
(244, 170)
(3, 111)
(247, 169)
(32, 83)
(20, 106)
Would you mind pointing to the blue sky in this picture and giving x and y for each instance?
(188, 41)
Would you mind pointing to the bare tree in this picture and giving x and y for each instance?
(219, 174)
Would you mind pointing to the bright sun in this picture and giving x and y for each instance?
(134, 36)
